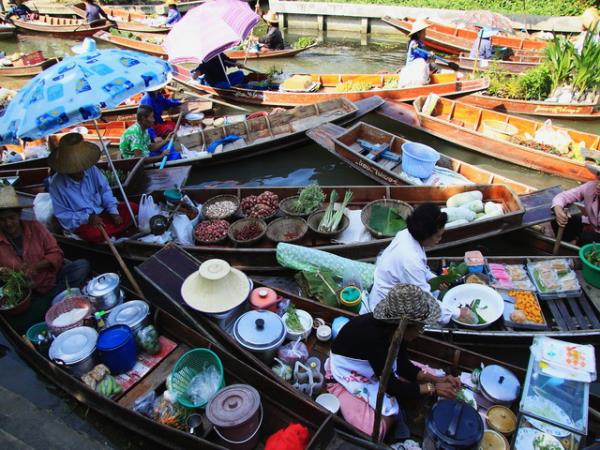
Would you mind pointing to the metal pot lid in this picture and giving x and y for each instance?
(259, 330)
(130, 313)
(103, 284)
(455, 423)
(73, 345)
(233, 405)
(499, 384)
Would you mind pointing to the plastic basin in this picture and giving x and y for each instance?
(499, 130)
(418, 160)
(591, 273)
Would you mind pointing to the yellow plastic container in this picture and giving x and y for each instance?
(443, 78)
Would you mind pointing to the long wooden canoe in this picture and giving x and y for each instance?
(125, 19)
(454, 40)
(566, 111)
(463, 124)
(343, 144)
(523, 211)
(162, 277)
(516, 64)
(27, 70)
(7, 30)
(61, 26)
(326, 84)
(152, 44)
(281, 405)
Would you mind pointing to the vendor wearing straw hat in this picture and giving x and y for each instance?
(590, 20)
(28, 246)
(273, 40)
(358, 356)
(155, 99)
(416, 44)
(18, 9)
(173, 15)
(81, 196)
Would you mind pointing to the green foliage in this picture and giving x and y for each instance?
(586, 74)
(304, 42)
(15, 289)
(560, 58)
(536, 84)
(542, 7)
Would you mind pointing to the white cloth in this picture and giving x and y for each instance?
(358, 378)
(404, 262)
(581, 38)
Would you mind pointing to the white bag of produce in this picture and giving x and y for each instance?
(456, 223)
(415, 73)
(463, 197)
(493, 208)
(146, 210)
(474, 205)
(42, 208)
(182, 229)
(458, 213)
(547, 135)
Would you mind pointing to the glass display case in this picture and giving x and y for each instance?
(553, 412)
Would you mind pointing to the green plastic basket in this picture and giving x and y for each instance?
(187, 367)
(35, 330)
(591, 273)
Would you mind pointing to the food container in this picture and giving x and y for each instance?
(261, 332)
(67, 293)
(492, 440)
(453, 425)
(330, 402)
(239, 225)
(236, 414)
(475, 261)
(104, 291)
(491, 304)
(591, 272)
(501, 419)
(57, 317)
(499, 385)
(418, 160)
(134, 313)
(315, 219)
(117, 349)
(350, 298)
(287, 229)
(554, 278)
(324, 333)
(74, 349)
(234, 199)
(19, 308)
(264, 298)
(306, 321)
(194, 118)
(510, 306)
(286, 206)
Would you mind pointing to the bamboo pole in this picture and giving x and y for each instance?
(119, 259)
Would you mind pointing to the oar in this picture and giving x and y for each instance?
(117, 256)
(206, 97)
(170, 145)
(558, 240)
(449, 63)
(244, 66)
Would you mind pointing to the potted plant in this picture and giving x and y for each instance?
(15, 293)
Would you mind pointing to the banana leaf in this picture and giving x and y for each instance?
(454, 273)
(386, 220)
(320, 285)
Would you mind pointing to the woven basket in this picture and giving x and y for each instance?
(218, 241)
(237, 225)
(403, 208)
(64, 306)
(286, 203)
(279, 227)
(187, 367)
(220, 198)
(315, 218)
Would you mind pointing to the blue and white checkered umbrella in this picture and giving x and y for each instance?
(75, 90)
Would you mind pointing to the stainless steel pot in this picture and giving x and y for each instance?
(104, 291)
(74, 350)
(499, 385)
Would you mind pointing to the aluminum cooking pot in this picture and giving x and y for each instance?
(104, 291)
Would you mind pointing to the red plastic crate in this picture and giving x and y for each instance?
(33, 58)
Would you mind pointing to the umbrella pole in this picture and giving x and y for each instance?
(114, 170)
(224, 70)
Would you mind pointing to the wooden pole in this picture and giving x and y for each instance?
(170, 144)
(385, 377)
(207, 98)
(117, 256)
(558, 240)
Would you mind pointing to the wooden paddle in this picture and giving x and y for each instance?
(207, 98)
(558, 240)
(449, 63)
(170, 145)
(117, 256)
(245, 67)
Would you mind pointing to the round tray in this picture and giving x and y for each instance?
(277, 229)
(220, 198)
(403, 208)
(242, 222)
(286, 202)
(315, 218)
(218, 241)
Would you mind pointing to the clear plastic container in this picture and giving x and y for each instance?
(475, 260)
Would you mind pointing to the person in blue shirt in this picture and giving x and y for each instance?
(93, 12)
(416, 45)
(156, 100)
(18, 9)
(213, 72)
(173, 15)
(482, 47)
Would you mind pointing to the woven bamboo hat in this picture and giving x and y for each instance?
(590, 17)
(171, 3)
(73, 154)
(215, 287)
(408, 302)
(418, 25)
(10, 200)
(271, 17)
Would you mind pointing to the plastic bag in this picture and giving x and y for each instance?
(282, 370)
(42, 208)
(35, 151)
(204, 385)
(9, 156)
(168, 412)
(292, 352)
(182, 229)
(147, 209)
(415, 73)
(108, 387)
(547, 135)
(145, 404)
(160, 239)
(147, 339)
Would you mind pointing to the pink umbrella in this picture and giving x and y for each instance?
(208, 30)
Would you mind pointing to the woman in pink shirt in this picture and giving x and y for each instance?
(578, 229)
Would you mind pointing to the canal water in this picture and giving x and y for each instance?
(337, 53)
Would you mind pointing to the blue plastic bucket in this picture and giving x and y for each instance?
(418, 160)
(117, 349)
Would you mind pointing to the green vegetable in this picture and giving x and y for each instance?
(593, 256)
(453, 273)
(293, 321)
(309, 199)
(386, 220)
(330, 220)
(473, 307)
(303, 42)
(15, 289)
(108, 387)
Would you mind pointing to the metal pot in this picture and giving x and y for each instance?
(261, 332)
(104, 291)
(134, 313)
(74, 349)
(499, 385)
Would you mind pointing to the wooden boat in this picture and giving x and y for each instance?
(61, 26)
(125, 19)
(162, 277)
(464, 125)
(269, 133)
(21, 70)
(343, 144)
(7, 30)
(281, 405)
(565, 111)
(326, 85)
(152, 44)
(516, 64)
(524, 211)
(454, 40)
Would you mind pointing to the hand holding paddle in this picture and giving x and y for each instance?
(172, 141)
(449, 63)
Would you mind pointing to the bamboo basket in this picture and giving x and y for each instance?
(315, 219)
(235, 226)
(403, 208)
(220, 198)
(279, 227)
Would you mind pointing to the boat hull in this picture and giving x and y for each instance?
(60, 27)
(27, 71)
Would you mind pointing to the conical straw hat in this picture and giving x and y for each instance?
(73, 154)
(271, 17)
(215, 288)
(418, 25)
(9, 198)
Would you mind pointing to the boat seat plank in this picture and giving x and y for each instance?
(578, 316)
(560, 323)
(592, 293)
(584, 303)
(154, 378)
(171, 284)
(566, 315)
